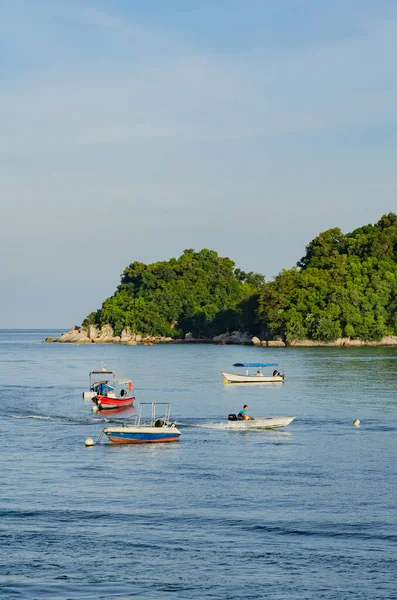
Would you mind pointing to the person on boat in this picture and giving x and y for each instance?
(122, 393)
(259, 373)
(276, 373)
(243, 415)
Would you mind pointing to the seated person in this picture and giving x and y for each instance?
(276, 373)
(122, 393)
(259, 373)
(243, 415)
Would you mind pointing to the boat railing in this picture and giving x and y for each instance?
(150, 421)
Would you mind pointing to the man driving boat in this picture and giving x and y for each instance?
(243, 415)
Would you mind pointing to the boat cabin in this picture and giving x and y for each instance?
(102, 383)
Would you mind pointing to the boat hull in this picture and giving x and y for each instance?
(260, 423)
(142, 435)
(107, 403)
(237, 378)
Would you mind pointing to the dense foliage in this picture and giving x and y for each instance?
(200, 292)
(344, 286)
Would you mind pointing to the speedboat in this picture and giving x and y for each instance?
(258, 377)
(258, 422)
(154, 429)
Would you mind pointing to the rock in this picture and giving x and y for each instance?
(84, 340)
(92, 332)
(189, 336)
(106, 335)
(305, 343)
(341, 342)
(131, 343)
(126, 333)
(256, 341)
(79, 337)
(235, 337)
(276, 343)
(263, 343)
(48, 339)
(75, 327)
(349, 342)
(239, 337)
(389, 340)
(219, 339)
(75, 337)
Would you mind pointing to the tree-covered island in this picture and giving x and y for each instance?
(344, 288)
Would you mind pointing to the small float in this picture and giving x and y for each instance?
(234, 422)
(249, 377)
(155, 428)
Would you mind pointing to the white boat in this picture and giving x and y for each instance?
(154, 429)
(258, 377)
(258, 422)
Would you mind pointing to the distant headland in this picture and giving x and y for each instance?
(343, 292)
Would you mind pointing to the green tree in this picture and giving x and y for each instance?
(345, 285)
(199, 293)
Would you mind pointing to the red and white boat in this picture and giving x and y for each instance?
(119, 396)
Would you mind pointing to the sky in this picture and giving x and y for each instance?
(132, 130)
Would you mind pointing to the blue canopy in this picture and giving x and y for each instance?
(255, 365)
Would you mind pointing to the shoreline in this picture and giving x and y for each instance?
(105, 335)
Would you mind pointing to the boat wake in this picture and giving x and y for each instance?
(82, 421)
(40, 417)
(210, 425)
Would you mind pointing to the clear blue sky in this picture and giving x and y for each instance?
(132, 130)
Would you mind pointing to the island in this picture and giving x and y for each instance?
(343, 292)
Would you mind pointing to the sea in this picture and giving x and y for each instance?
(306, 512)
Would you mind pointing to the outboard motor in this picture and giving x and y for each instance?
(231, 417)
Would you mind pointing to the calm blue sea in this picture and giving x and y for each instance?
(308, 512)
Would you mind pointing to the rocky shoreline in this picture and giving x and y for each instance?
(105, 335)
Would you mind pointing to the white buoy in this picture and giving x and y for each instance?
(356, 423)
(95, 409)
(89, 443)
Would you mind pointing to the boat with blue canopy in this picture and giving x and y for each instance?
(249, 377)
